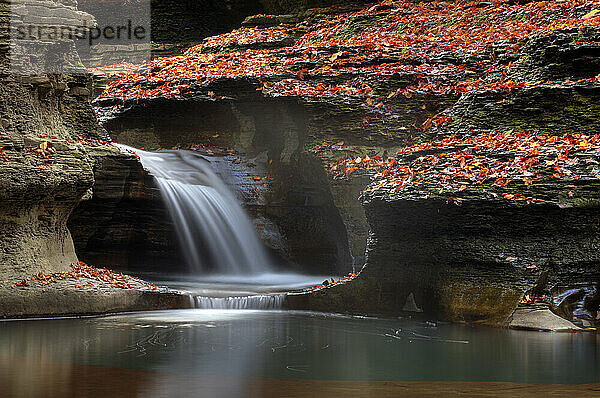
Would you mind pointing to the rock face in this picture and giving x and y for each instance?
(467, 263)
(64, 299)
(540, 319)
(44, 166)
(125, 223)
(49, 147)
(186, 22)
(178, 24)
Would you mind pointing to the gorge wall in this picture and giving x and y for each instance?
(124, 223)
(45, 120)
(410, 104)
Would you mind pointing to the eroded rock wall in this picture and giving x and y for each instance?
(468, 263)
(45, 169)
(125, 223)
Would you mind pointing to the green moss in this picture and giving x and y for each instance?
(483, 304)
(451, 22)
(358, 25)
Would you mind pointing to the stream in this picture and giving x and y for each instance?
(236, 353)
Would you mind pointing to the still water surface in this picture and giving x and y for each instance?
(161, 353)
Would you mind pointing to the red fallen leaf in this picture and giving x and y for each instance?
(257, 178)
(211, 94)
(427, 124)
(478, 168)
(301, 74)
(531, 299)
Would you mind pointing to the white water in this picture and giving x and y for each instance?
(215, 233)
(258, 302)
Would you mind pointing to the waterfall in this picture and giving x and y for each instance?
(258, 302)
(215, 233)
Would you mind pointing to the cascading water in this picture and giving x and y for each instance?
(257, 302)
(215, 233)
(220, 244)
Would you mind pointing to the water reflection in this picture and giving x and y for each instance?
(232, 353)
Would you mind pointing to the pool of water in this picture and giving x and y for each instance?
(237, 285)
(230, 353)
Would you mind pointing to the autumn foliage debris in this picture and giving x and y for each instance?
(83, 273)
(494, 162)
(332, 282)
(435, 47)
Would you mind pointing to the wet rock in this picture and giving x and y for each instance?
(65, 299)
(451, 257)
(125, 224)
(540, 319)
(410, 305)
(48, 149)
(270, 20)
(553, 109)
(564, 53)
(456, 260)
(568, 303)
